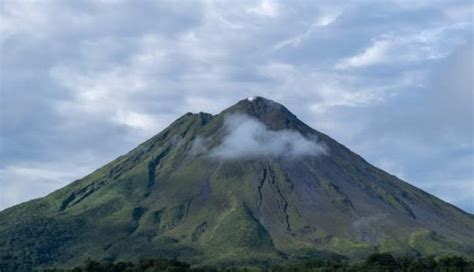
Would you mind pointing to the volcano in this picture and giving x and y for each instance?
(252, 185)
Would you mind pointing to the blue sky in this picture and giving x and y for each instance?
(83, 82)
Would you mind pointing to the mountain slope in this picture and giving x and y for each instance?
(251, 185)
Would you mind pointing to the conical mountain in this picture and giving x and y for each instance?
(251, 185)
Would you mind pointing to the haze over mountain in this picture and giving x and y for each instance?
(251, 185)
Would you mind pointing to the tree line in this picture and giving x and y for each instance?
(377, 262)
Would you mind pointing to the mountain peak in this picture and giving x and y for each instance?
(260, 99)
(273, 114)
(252, 98)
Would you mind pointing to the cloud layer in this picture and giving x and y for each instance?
(84, 82)
(250, 138)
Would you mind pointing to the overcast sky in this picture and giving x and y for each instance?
(83, 82)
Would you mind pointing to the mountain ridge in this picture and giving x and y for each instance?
(174, 196)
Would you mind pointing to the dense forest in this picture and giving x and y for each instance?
(376, 262)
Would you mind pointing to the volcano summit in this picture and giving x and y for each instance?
(251, 185)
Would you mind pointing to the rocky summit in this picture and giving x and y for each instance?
(252, 185)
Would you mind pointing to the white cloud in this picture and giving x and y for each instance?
(321, 91)
(20, 17)
(34, 19)
(334, 95)
(266, 8)
(249, 138)
(103, 93)
(320, 22)
(376, 53)
(407, 47)
(326, 19)
(136, 120)
(114, 91)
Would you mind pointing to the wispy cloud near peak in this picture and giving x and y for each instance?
(250, 138)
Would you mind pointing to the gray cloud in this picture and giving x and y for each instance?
(425, 136)
(249, 138)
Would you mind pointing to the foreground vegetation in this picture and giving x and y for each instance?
(376, 262)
